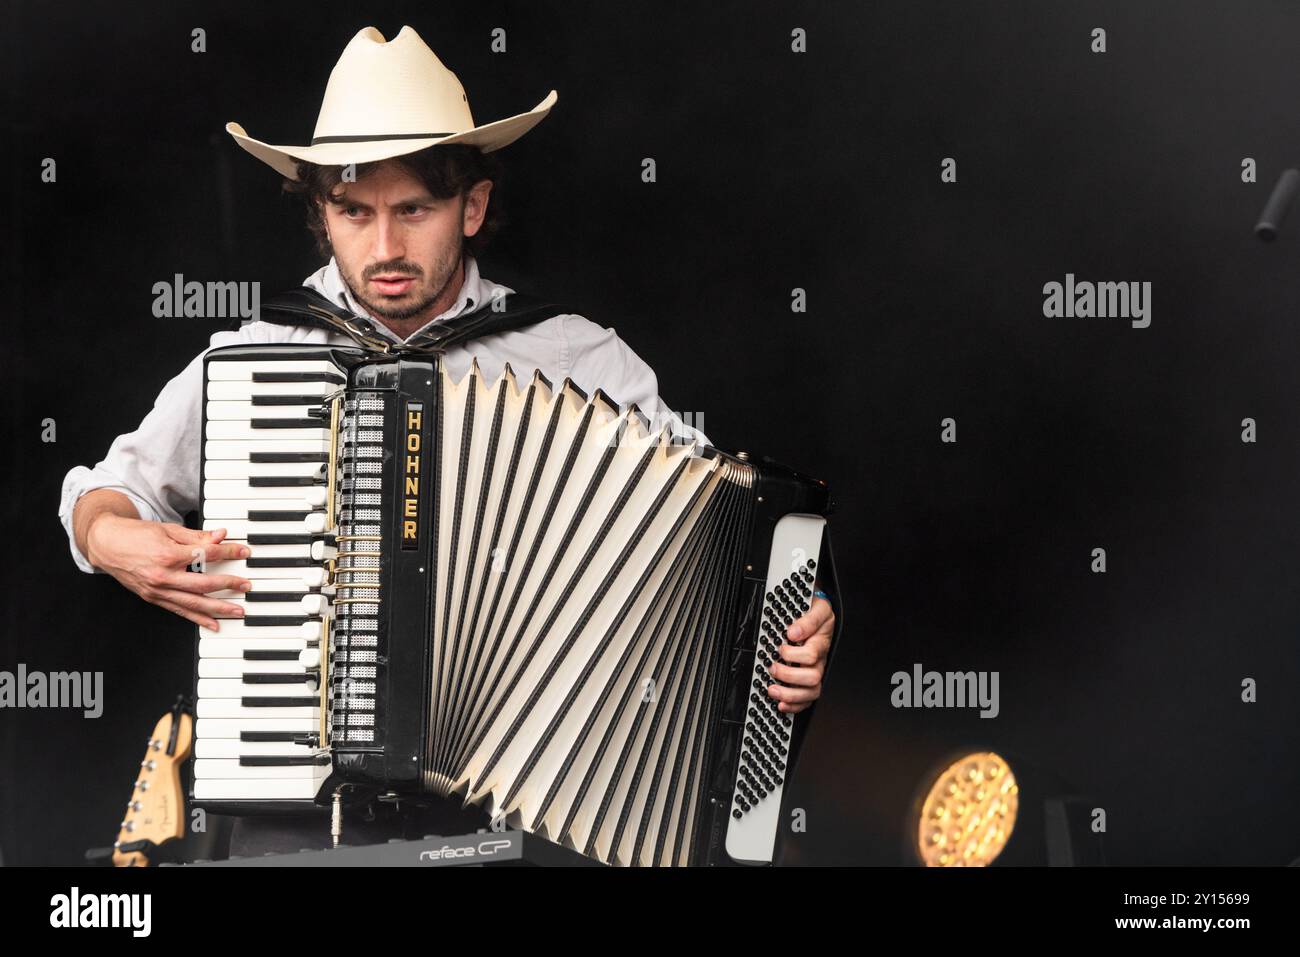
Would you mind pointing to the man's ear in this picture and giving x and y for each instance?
(475, 205)
(325, 220)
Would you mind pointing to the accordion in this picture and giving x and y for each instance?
(503, 592)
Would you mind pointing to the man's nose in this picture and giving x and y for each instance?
(388, 239)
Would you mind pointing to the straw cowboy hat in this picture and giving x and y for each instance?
(387, 99)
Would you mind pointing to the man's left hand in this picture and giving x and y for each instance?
(814, 628)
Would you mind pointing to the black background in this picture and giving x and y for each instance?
(776, 170)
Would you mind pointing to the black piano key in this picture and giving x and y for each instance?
(298, 377)
(254, 701)
(282, 457)
(281, 562)
(272, 678)
(286, 424)
(267, 538)
(286, 400)
(262, 654)
(279, 736)
(280, 596)
(258, 515)
(283, 481)
(270, 621)
(281, 761)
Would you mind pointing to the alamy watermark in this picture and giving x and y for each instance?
(1101, 300)
(53, 689)
(206, 300)
(946, 689)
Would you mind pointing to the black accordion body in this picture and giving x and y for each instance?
(504, 592)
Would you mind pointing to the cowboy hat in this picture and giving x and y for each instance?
(387, 99)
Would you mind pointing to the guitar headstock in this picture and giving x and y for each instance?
(156, 812)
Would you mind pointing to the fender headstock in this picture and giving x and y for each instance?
(156, 812)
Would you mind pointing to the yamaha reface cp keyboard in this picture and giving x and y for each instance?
(504, 592)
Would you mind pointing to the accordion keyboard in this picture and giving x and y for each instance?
(266, 457)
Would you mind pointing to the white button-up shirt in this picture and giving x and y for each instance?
(157, 465)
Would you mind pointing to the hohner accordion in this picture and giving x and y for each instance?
(501, 591)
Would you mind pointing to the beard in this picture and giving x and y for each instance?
(422, 294)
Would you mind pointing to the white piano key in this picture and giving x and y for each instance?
(226, 490)
(238, 667)
(234, 748)
(244, 411)
(242, 431)
(311, 577)
(217, 646)
(308, 575)
(232, 770)
(273, 790)
(227, 370)
(323, 552)
(237, 628)
(238, 469)
(228, 508)
(232, 727)
(209, 688)
(309, 658)
(242, 391)
(241, 449)
(231, 708)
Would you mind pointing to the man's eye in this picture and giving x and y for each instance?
(349, 210)
(414, 209)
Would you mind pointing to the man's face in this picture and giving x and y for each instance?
(397, 246)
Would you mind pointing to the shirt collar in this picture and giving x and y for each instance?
(474, 292)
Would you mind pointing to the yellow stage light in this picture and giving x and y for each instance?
(968, 815)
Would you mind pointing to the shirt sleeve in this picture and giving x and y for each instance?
(598, 358)
(157, 465)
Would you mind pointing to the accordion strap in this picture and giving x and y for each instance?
(307, 307)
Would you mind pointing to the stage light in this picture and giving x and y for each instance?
(969, 812)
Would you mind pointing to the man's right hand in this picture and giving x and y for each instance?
(152, 559)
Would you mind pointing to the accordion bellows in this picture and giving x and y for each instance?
(523, 596)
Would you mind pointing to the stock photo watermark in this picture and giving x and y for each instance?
(206, 300)
(53, 689)
(946, 689)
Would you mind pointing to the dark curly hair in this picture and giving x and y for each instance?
(445, 170)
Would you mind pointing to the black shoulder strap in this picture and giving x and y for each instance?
(307, 307)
